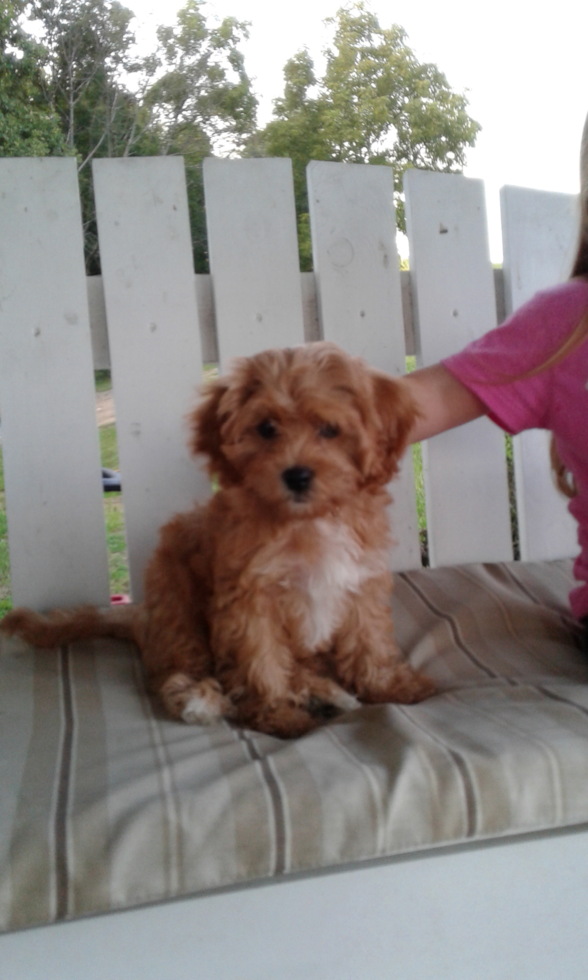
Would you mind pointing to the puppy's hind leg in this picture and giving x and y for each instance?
(178, 665)
(175, 645)
(179, 672)
(195, 702)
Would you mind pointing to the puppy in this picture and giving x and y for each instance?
(271, 605)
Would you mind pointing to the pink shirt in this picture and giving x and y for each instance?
(556, 399)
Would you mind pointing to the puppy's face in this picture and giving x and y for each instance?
(303, 429)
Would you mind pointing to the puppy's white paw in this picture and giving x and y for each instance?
(345, 701)
(329, 699)
(201, 711)
(195, 702)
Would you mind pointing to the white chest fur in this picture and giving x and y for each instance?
(336, 567)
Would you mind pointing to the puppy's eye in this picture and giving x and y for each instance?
(328, 431)
(267, 429)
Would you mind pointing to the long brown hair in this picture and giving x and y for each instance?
(564, 480)
(580, 266)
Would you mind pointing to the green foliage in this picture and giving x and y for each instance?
(298, 131)
(200, 101)
(375, 104)
(86, 52)
(87, 65)
(81, 89)
(304, 242)
(384, 106)
(28, 125)
(195, 188)
(102, 380)
(202, 94)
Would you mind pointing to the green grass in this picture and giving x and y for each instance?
(108, 447)
(417, 461)
(514, 523)
(102, 380)
(118, 569)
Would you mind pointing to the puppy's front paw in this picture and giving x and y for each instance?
(324, 698)
(412, 685)
(322, 709)
(329, 706)
(344, 701)
(195, 702)
(282, 717)
(400, 683)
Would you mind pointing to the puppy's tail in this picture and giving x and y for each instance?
(65, 626)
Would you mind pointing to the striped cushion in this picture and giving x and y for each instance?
(105, 804)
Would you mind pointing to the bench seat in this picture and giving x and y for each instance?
(106, 804)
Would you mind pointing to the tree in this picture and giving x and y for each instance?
(202, 98)
(28, 125)
(85, 55)
(87, 62)
(375, 104)
(200, 101)
(96, 98)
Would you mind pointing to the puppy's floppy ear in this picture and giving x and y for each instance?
(396, 414)
(206, 422)
(215, 421)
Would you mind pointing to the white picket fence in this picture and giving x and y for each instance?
(154, 323)
(160, 328)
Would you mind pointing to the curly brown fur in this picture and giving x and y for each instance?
(271, 605)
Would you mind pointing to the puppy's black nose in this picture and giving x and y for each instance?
(298, 478)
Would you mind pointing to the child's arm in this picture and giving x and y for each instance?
(442, 401)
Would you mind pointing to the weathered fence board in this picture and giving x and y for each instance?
(50, 441)
(207, 318)
(539, 231)
(253, 252)
(453, 291)
(255, 297)
(357, 274)
(148, 274)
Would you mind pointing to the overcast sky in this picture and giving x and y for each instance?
(522, 64)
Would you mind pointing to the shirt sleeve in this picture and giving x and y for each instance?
(495, 367)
